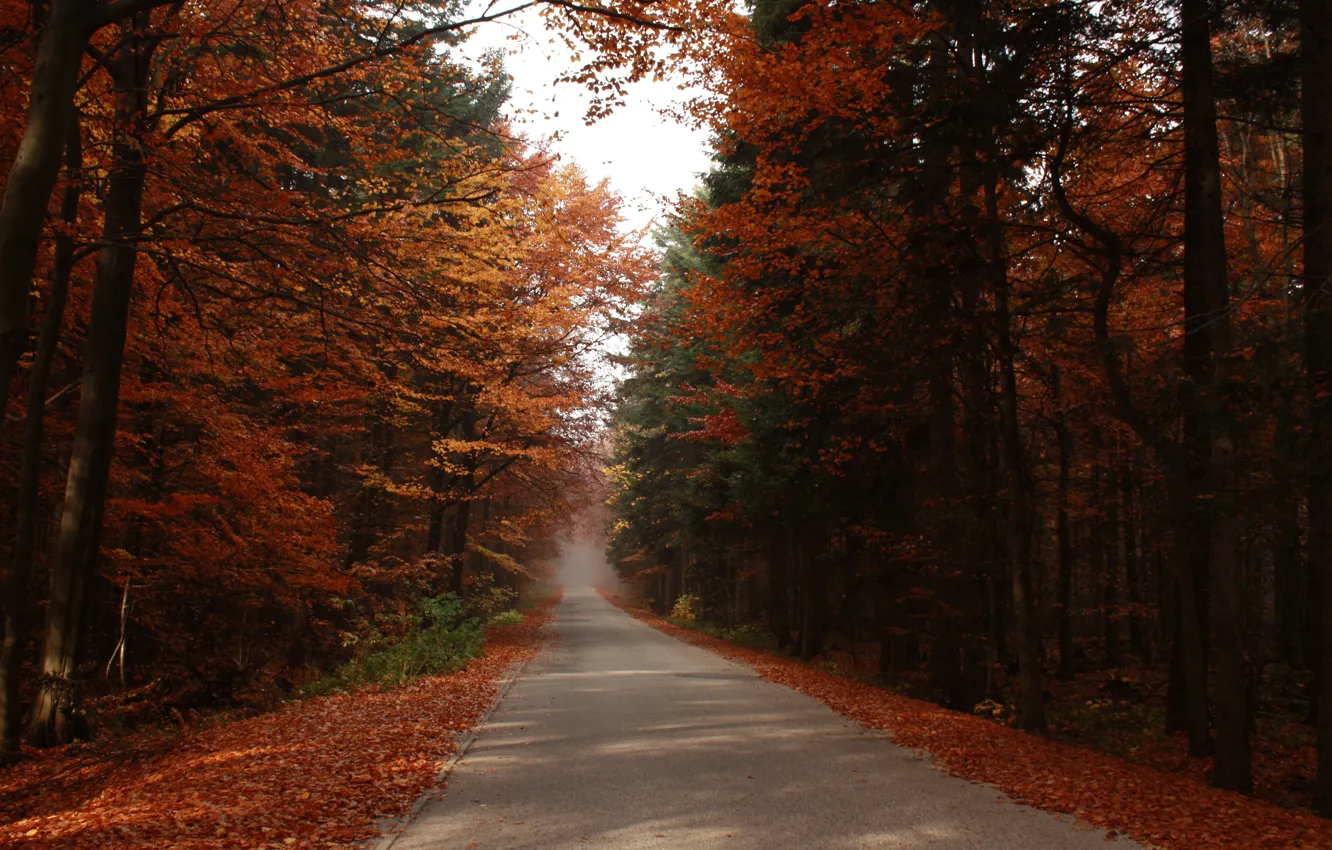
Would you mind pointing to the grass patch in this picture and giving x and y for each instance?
(749, 635)
(507, 618)
(446, 635)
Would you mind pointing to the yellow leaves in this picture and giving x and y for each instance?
(499, 559)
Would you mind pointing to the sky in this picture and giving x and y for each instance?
(647, 158)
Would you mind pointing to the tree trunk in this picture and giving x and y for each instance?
(779, 605)
(462, 515)
(1177, 692)
(56, 716)
(813, 590)
(1290, 592)
(1021, 520)
(1132, 567)
(32, 175)
(1064, 535)
(1205, 278)
(25, 510)
(1108, 540)
(1187, 705)
(1316, 49)
(437, 480)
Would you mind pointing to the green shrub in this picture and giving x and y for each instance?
(507, 618)
(489, 599)
(1109, 724)
(445, 636)
(751, 635)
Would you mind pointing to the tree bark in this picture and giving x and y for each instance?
(1108, 540)
(1132, 567)
(1021, 521)
(462, 515)
(813, 592)
(56, 715)
(1205, 280)
(1316, 59)
(1064, 535)
(33, 174)
(779, 593)
(435, 529)
(25, 511)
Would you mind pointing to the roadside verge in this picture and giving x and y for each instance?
(316, 773)
(1157, 809)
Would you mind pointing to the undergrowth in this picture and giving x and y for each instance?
(446, 633)
(750, 635)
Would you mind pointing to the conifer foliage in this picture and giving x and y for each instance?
(994, 348)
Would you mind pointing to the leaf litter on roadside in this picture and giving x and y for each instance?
(1174, 811)
(316, 773)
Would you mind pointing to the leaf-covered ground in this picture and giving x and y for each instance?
(1157, 809)
(316, 773)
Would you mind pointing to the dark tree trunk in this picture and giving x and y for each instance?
(1188, 691)
(1109, 545)
(814, 597)
(26, 506)
(437, 480)
(56, 717)
(779, 593)
(1064, 535)
(462, 517)
(1021, 520)
(32, 175)
(1316, 49)
(368, 515)
(462, 513)
(1177, 690)
(1133, 566)
(1290, 591)
(945, 645)
(1205, 278)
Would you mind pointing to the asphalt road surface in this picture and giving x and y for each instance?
(618, 736)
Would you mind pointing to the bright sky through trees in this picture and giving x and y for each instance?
(647, 157)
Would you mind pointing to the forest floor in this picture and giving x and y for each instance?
(1168, 808)
(315, 773)
(1084, 713)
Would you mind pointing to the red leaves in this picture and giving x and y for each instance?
(723, 427)
(1168, 811)
(314, 774)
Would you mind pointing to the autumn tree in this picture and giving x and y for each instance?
(333, 300)
(1015, 287)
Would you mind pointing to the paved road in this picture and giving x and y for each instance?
(618, 737)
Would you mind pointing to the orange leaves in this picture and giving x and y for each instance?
(315, 774)
(723, 427)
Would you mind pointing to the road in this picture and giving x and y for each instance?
(618, 736)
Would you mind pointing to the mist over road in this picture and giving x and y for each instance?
(582, 563)
(618, 736)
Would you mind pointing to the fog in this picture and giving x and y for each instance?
(582, 563)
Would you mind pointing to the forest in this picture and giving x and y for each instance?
(994, 354)
(990, 363)
(296, 333)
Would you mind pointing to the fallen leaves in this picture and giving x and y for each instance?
(315, 774)
(1130, 800)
